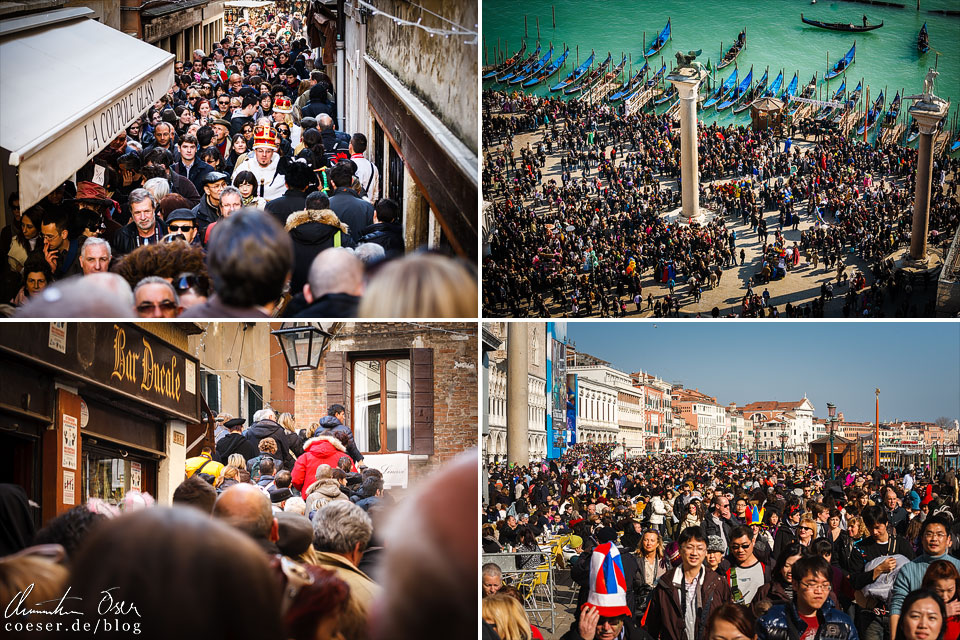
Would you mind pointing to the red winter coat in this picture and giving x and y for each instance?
(317, 451)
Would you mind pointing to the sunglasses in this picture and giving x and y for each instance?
(190, 280)
(177, 227)
(165, 305)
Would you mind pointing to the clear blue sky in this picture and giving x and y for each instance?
(915, 365)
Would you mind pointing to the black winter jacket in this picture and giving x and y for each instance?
(312, 232)
(270, 429)
(388, 235)
(330, 425)
(125, 239)
(352, 210)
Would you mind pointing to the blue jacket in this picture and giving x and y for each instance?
(782, 622)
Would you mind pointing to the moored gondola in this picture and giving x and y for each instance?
(842, 26)
(731, 55)
(547, 71)
(827, 111)
(575, 75)
(872, 116)
(752, 94)
(721, 91)
(791, 89)
(532, 69)
(850, 103)
(590, 78)
(808, 92)
(627, 87)
(661, 40)
(890, 117)
(507, 64)
(738, 93)
(504, 77)
(666, 96)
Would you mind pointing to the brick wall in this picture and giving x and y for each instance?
(454, 379)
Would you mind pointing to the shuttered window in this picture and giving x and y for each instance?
(388, 398)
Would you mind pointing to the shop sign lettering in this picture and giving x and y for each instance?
(138, 366)
(107, 124)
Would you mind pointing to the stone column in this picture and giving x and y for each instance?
(687, 82)
(927, 116)
(518, 439)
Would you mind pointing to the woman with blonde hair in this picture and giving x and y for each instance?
(807, 531)
(237, 460)
(294, 442)
(229, 477)
(421, 286)
(507, 617)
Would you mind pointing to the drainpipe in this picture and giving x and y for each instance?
(341, 27)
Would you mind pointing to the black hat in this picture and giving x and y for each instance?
(235, 422)
(213, 176)
(279, 495)
(181, 214)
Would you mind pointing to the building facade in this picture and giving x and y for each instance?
(94, 410)
(705, 418)
(657, 411)
(409, 392)
(413, 93)
(782, 426)
(597, 385)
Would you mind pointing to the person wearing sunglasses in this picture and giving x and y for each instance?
(154, 297)
(747, 574)
(811, 612)
(184, 222)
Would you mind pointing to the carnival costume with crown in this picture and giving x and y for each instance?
(271, 183)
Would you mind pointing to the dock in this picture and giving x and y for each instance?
(640, 100)
(600, 90)
(674, 111)
(849, 120)
(892, 135)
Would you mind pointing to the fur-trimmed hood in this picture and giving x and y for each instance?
(317, 440)
(323, 216)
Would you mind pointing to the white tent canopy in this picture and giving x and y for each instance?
(93, 82)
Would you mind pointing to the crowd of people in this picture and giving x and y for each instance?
(698, 547)
(234, 195)
(276, 532)
(582, 236)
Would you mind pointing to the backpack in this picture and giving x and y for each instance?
(206, 477)
(648, 511)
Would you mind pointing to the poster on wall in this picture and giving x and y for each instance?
(135, 473)
(69, 442)
(69, 488)
(58, 336)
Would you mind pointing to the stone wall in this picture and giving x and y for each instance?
(442, 72)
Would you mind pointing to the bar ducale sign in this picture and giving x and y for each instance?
(137, 364)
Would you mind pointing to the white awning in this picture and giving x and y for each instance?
(248, 4)
(70, 85)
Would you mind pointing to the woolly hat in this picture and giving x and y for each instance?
(608, 586)
(715, 543)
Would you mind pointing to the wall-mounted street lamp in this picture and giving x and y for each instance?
(303, 343)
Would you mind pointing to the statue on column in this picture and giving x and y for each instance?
(688, 60)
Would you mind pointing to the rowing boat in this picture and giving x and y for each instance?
(734, 98)
(827, 111)
(627, 87)
(722, 90)
(507, 64)
(649, 83)
(842, 64)
(734, 51)
(752, 94)
(575, 75)
(613, 74)
(548, 71)
(923, 40)
(661, 40)
(841, 26)
(872, 116)
(590, 78)
(503, 78)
